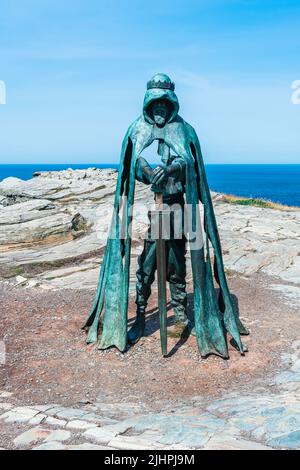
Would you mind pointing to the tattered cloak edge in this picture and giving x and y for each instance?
(214, 315)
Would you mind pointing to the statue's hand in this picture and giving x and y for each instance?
(159, 174)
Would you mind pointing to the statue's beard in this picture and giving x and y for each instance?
(159, 120)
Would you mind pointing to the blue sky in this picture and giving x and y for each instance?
(75, 72)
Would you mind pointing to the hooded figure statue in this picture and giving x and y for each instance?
(214, 314)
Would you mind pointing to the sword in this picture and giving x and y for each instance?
(161, 274)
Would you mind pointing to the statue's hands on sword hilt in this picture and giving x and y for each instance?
(158, 175)
(162, 173)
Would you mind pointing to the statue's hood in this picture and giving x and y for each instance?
(154, 94)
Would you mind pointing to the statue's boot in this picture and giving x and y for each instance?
(181, 317)
(138, 328)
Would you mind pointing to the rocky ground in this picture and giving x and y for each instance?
(57, 392)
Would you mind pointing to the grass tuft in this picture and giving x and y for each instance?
(231, 199)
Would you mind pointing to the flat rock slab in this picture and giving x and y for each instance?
(290, 440)
(26, 211)
(37, 434)
(60, 423)
(59, 446)
(19, 415)
(80, 425)
(100, 435)
(233, 443)
(54, 228)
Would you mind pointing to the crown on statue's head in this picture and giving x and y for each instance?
(161, 80)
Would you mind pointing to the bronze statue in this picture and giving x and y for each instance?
(179, 181)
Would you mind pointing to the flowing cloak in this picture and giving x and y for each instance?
(214, 315)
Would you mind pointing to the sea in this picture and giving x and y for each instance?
(272, 182)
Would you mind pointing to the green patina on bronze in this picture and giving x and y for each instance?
(214, 315)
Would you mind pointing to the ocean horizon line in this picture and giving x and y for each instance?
(276, 182)
(117, 163)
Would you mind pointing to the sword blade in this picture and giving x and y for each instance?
(161, 284)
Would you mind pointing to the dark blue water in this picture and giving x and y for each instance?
(278, 183)
(25, 172)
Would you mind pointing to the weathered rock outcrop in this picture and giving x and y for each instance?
(53, 228)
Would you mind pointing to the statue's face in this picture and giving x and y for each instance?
(160, 113)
